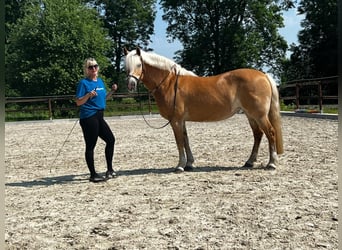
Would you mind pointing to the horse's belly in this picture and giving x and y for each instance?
(209, 115)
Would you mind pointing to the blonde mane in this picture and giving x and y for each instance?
(163, 63)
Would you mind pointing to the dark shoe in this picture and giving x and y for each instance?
(111, 174)
(96, 178)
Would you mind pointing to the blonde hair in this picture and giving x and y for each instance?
(87, 62)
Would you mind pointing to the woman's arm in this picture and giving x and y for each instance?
(82, 100)
(110, 93)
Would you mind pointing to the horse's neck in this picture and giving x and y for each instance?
(153, 77)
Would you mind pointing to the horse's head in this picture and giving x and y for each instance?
(139, 64)
(134, 68)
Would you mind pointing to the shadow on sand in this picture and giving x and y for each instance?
(64, 179)
(49, 181)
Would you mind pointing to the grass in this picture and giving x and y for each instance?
(327, 109)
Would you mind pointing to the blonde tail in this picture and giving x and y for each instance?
(274, 115)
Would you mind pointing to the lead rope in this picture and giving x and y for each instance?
(59, 151)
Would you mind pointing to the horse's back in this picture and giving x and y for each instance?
(239, 83)
(245, 78)
(219, 97)
(233, 79)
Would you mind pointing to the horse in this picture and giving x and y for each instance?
(183, 96)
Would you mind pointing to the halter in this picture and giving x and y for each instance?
(154, 90)
(136, 78)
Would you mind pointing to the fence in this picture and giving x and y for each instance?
(302, 92)
(311, 91)
(60, 104)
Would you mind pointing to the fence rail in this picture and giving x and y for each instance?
(311, 85)
(46, 103)
(49, 103)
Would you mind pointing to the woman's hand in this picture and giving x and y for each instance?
(92, 93)
(85, 98)
(114, 87)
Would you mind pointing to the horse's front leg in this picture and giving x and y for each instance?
(178, 130)
(189, 156)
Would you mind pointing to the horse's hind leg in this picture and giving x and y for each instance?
(269, 131)
(189, 156)
(257, 133)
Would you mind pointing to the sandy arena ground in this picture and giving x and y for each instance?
(52, 205)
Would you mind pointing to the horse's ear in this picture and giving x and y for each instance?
(125, 51)
(138, 51)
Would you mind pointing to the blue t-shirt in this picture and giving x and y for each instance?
(95, 103)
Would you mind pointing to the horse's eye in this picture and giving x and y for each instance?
(139, 65)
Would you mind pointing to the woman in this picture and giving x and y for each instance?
(91, 96)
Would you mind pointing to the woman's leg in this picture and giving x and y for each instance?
(106, 134)
(90, 128)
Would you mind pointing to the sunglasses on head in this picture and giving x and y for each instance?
(93, 66)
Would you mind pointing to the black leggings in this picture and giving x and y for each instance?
(94, 127)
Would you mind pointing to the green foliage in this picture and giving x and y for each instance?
(289, 107)
(47, 46)
(129, 106)
(316, 55)
(129, 23)
(128, 100)
(13, 11)
(223, 35)
(48, 40)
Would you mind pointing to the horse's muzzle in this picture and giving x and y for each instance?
(132, 82)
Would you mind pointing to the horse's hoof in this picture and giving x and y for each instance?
(179, 170)
(248, 165)
(270, 167)
(189, 168)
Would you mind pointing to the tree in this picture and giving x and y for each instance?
(47, 46)
(129, 23)
(316, 55)
(218, 35)
(14, 11)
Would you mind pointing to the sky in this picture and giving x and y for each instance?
(161, 46)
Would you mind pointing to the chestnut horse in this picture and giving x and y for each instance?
(182, 96)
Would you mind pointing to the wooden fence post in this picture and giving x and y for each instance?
(320, 97)
(149, 104)
(297, 95)
(50, 109)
